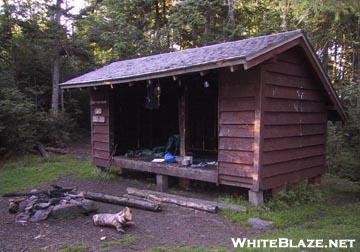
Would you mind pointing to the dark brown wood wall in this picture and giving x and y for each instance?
(294, 122)
(236, 126)
(100, 132)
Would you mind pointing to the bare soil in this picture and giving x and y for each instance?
(174, 226)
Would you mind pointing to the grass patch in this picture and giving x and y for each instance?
(77, 247)
(32, 171)
(125, 241)
(187, 249)
(305, 212)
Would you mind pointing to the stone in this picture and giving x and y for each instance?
(41, 214)
(259, 223)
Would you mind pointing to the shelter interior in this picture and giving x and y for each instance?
(149, 115)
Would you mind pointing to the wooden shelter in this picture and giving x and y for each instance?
(258, 107)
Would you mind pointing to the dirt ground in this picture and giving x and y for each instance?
(174, 226)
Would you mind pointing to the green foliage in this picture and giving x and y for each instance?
(298, 205)
(188, 249)
(33, 171)
(77, 247)
(125, 241)
(22, 127)
(343, 146)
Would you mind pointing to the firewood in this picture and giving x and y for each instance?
(118, 220)
(20, 194)
(123, 201)
(56, 150)
(204, 205)
(174, 199)
(42, 151)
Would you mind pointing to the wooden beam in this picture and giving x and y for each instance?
(162, 183)
(209, 175)
(183, 120)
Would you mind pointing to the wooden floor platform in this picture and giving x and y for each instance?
(208, 174)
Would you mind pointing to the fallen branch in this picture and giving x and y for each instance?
(56, 150)
(204, 205)
(42, 151)
(123, 201)
(174, 199)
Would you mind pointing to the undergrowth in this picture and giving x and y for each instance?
(32, 171)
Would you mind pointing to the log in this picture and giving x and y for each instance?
(123, 201)
(21, 194)
(209, 206)
(118, 220)
(56, 150)
(42, 151)
(204, 205)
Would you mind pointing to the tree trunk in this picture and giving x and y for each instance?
(285, 18)
(56, 63)
(231, 17)
(123, 201)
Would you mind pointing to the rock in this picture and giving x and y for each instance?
(259, 223)
(73, 208)
(22, 217)
(41, 214)
(42, 205)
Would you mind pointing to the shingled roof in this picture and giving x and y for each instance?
(168, 64)
(247, 52)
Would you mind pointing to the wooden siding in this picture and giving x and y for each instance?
(294, 122)
(237, 93)
(100, 132)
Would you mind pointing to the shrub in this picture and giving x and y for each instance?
(22, 127)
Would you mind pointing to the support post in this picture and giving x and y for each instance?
(183, 130)
(183, 120)
(256, 198)
(162, 183)
(315, 180)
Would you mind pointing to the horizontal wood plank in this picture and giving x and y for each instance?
(236, 104)
(236, 157)
(209, 175)
(235, 179)
(290, 81)
(238, 170)
(288, 69)
(101, 146)
(292, 93)
(244, 117)
(288, 105)
(232, 143)
(291, 154)
(292, 165)
(285, 118)
(236, 131)
(103, 138)
(100, 128)
(275, 131)
(292, 177)
(292, 142)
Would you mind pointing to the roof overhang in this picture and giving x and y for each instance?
(248, 62)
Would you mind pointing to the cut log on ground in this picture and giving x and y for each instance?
(204, 205)
(123, 201)
(42, 151)
(209, 206)
(118, 220)
(56, 150)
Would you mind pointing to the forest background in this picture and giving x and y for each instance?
(45, 42)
